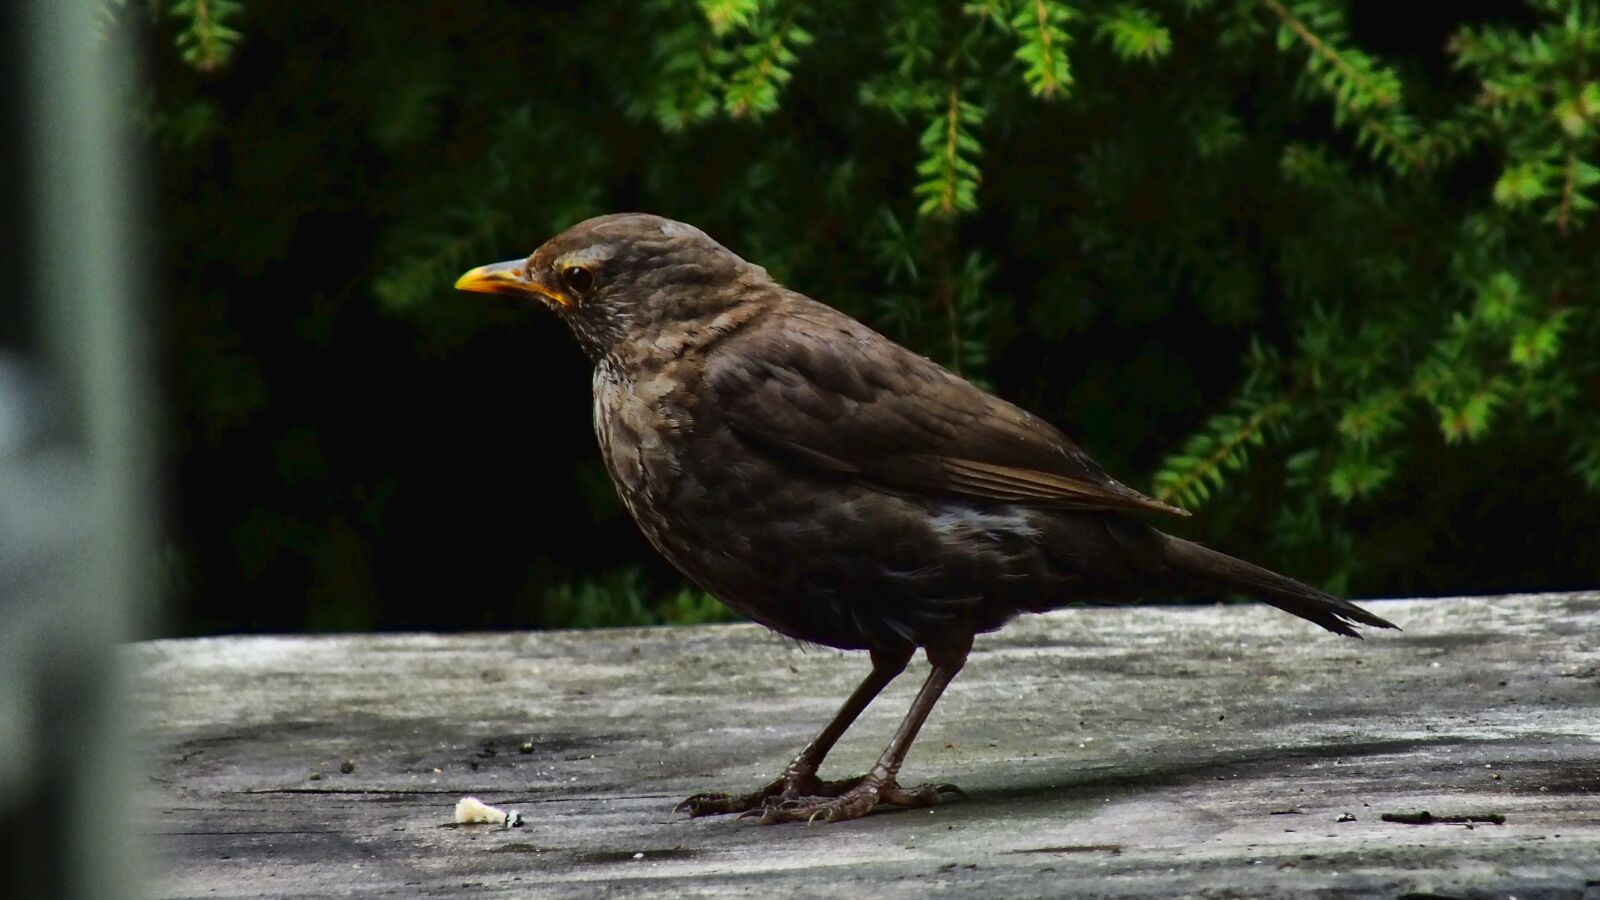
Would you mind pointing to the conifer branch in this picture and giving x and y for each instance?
(952, 154)
(1387, 137)
(1041, 27)
(752, 90)
(1049, 80)
(1135, 33)
(206, 41)
(205, 37)
(1181, 489)
(1321, 48)
(1371, 92)
(725, 15)
(685, 73)
(949, 185)
(1569, 189)
(415, 279)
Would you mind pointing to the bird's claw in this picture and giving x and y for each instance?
(790, 787)
(705, 804)
(862, 797)
(787, 785)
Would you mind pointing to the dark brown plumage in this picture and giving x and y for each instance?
(836, 487)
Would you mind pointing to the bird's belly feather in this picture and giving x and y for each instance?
(819, 558)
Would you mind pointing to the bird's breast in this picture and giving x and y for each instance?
(645, 427)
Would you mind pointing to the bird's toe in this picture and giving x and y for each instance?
(785, 787)
(710, 804)
(855, 798)
(921, 795)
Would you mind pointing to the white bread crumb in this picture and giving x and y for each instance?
(472, 811)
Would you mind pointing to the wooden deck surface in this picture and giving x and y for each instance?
(1147, 752)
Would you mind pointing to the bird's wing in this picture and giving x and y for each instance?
(821, 390)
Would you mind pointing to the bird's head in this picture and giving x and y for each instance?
(623, 277)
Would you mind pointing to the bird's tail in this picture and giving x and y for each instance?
(1203, 567)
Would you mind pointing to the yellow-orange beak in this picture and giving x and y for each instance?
(509, 277)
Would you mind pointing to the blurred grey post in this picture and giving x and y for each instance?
(75, 454)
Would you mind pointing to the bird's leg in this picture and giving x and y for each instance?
(799, 779)
(879, 785)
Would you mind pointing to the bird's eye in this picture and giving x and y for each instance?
(578, 278)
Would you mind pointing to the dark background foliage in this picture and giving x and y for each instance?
(1324, 272)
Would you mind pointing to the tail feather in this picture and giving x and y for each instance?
(1206, 567)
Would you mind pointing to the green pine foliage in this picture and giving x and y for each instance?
(1135, 33)
(1260, 410)
(1041, 30)
(1300, 272)
(206, 39)
(624, 597)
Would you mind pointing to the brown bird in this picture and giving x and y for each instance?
(838, 488)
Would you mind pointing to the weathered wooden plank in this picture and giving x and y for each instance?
(1107, 753)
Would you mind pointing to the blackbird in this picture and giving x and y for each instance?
(838, 488)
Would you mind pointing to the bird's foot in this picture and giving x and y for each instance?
(791, 785)
(862, 796)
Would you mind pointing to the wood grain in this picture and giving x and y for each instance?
(1224, 751)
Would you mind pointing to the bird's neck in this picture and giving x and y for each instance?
(648, 349)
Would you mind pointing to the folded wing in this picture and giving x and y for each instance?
(838, 397)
